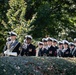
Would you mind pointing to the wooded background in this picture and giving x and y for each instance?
(39, 18)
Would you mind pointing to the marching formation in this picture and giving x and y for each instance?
(47, 47)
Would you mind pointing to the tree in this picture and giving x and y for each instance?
(3, 18)
(39, 18)
(16, 18)
(12, 18)
(55, 18)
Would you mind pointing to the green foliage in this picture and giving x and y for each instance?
(37, 66)
(56, 18)
(16, 18)
(3, 27)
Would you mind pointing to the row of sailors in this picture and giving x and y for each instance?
(15, 48)
(48, 47)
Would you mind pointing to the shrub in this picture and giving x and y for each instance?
(37, 66)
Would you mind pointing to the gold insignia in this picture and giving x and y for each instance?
(50, 52)
(67, 52)
(30, 50)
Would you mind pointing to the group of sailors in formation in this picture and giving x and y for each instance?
(47, 47)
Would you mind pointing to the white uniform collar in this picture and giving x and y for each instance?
(60, 48)
(49, 45)
(46, 47)
(64, 49)
(13, 41)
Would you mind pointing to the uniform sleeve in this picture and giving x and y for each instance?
(39, 52)
(5, 48)
(18, 48)
(34, 51)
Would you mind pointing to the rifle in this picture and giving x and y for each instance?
(9, 50)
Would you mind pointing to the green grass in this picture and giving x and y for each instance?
(37, 66)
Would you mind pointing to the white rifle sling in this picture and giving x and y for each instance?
(9, 52)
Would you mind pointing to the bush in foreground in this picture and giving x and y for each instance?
(37, 66)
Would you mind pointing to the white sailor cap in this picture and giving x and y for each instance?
(49, 39)
(40, 43)
(12, 33)
(8, 38)
(28, 37)
(60, 42)
(44, 40)
(74, 39)
(65, 42)
(71, 44)
(54, 40)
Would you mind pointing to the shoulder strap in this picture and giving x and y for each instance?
(12, 48)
